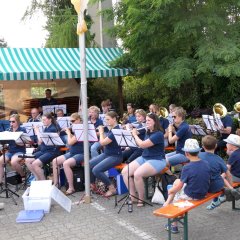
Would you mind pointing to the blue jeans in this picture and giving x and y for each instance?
(102, 163)
(176, 158)
(95, 147)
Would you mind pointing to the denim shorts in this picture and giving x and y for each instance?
(176, 158)
(79, 158)
(158, 165)
(9, 155)
(45, 157)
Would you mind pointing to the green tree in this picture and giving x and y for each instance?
(183, 51)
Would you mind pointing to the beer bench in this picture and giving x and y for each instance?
(173, 213)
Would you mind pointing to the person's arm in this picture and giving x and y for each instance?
(171, 138)
(71, 139)
(102, 139)
(37, 133)
(226, 130)
(176, 188)
(141, 143)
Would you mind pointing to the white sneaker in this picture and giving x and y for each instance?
(1, 206)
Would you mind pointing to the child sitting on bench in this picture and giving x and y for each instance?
(194, 182)
(219, 171)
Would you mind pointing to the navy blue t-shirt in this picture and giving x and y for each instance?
(13, 147)
(234, 161)
(164, 123)
(112, 149)
(197, 177)
(76, 148)
(183, 133)
(217, 167)
(98, 122)
(157, 150)
(131, 119)
(51, 129)
(227, 122)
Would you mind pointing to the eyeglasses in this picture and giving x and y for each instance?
(12, 121)
(174, 117)
(72, 121)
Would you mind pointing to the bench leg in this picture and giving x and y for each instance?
(185, 226)
(169, 227)
(234, 208)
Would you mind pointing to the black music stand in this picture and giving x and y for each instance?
(124, 138)
(5, 138)
(52, 139)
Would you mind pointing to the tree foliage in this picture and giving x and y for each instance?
(61, 23)
(183, 51)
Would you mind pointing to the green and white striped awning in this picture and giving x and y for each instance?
(57, 63)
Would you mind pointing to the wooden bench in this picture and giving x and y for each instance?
(173, 213)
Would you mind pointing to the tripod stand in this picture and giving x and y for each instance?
(9, 192)
(128, 199)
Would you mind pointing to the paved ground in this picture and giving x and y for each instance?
(100, 220)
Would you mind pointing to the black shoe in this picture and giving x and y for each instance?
(228, 194)
(236, 194)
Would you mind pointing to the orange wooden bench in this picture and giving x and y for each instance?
(174, 213)
(170, 149)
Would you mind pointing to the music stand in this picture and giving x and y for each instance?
(54, 108)
(64, 122)
(5, 138)
(197, 130)
(52, 139)
(124, 138)
(209, 121)
(78, 131)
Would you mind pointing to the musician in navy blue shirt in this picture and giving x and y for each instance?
(111, 156)
(93, 118)
(13, 149)
(182, 132)
(131, 153)
(74, 157)
(45, 154)
(152, 160)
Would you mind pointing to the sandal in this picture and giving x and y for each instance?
(140, 204)
(69, 192)
(110, 193)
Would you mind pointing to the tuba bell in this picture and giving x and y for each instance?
(219, 109)
(237, 107)
(163, 112)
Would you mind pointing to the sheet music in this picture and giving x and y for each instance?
(23, 140)
(29, 126)
(51, 139)
(210, 123)
(197, 130)
(54, 108)
(78, 131)
(124, 138)
(218, 122)
(7, 136)
(64, 122)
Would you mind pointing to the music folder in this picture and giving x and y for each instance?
(124, 138)
(25, 216)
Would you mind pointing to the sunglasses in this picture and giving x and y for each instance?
(12, 121)
(72, 121)
(174, 117)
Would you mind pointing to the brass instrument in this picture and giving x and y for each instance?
(220, 109)
(237, 107)
(163, 112)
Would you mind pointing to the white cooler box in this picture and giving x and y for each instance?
(39, 197)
